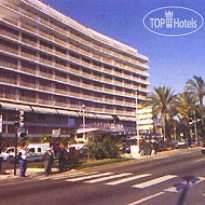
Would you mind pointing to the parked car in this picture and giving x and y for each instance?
(35, 152)
(203, 149)
(182, 144)
(8, 154)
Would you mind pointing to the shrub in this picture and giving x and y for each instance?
(107, 148)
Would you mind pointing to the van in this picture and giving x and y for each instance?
(36, 151)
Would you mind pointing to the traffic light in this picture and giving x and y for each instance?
(16, 119)
(19, 118)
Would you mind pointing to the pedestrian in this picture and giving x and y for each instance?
(23, 160)
(48, 159)
(62, 157)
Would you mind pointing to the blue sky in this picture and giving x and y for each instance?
(173, 60)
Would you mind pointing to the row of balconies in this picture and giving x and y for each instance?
(86, 53)
(65, 91)
(50, 63)
(53, 102)
(80, 39)
(45, 61)
(51, 76)
(70, 81)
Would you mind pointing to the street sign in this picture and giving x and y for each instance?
(56, 132)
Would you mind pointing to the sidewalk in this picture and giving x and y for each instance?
(35, 172)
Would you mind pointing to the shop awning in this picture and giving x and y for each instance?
(88, 115)
(86, 130)
(68, 112)
(43, 110)
(14, 106)
(104, 117)
(127, 118)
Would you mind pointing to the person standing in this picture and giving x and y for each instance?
(48, 161)
(23, 160)
(62, 157)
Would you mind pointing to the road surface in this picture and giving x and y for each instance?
(176, 178)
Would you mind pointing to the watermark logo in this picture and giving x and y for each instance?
(169, 19)
(173, 21)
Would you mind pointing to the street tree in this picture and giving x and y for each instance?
(186, 105)
(162, 101)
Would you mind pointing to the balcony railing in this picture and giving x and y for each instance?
(46, 48)
(9, 34)
(57, 65)
(28, 55)
(8, 64)
(46, 61)
(27, 41)
(45, 35)
(61, 91)
(9, 49)
(8, 80)
(27, 69)
(28, 27)
(61, 54)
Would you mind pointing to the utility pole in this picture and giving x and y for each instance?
(195, 128)
(16, 125)
(83, 110)
(137, 125)
(19, 126)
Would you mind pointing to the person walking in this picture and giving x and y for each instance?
(48, 159)
(23, 160)
(62, 157)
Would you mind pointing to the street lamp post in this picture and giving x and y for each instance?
(83, 110)
(137, 125)
(195, 128)
(16, 125)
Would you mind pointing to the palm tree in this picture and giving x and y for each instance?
(162, 101)
(196, 87)
(186, 105)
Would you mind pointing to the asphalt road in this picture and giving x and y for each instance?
(175, 178)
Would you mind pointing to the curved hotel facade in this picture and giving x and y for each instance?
(58, 72)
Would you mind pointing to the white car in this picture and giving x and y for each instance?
(8, 153)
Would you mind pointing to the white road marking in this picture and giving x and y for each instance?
(146, 198)
(185, 184)
(185, 153)
(88, 177)
(107, 178)
(153, 181)
(72, 175)
(199, 160)
(120, 181)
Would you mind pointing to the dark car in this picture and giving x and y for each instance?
(203, 149)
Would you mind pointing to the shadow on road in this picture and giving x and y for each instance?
(184, 187)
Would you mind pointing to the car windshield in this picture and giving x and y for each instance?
(8, 150)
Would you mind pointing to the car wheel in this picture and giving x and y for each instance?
(10, 159)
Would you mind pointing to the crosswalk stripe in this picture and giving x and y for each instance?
(72, 175)
(153, 181)
(146, 198)
(88, 177)
(199, 160)
(120, 181)
(107, 178)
